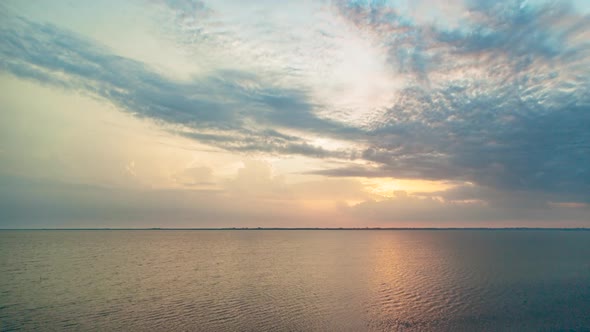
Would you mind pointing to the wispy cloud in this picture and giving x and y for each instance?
(241, 107)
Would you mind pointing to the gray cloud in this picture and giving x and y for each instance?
(502, 101)
(226, 102)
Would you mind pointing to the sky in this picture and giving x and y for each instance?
(188, 113)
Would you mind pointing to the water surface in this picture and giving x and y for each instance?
(295, 280)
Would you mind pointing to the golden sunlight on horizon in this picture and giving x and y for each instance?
(390, 187)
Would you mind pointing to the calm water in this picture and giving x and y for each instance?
(295, 280)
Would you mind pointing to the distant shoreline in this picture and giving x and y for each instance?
(308, 229)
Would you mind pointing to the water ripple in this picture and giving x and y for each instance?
(294, 281)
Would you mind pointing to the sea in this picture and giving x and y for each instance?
(294, 280)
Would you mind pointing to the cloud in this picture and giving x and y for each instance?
(459, 210)
(502, 101)
(196, 176)
(46, 203)
(240, 106)
(253, 197)
(256, 179)
(491, 35)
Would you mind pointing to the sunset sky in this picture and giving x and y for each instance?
(186, 113)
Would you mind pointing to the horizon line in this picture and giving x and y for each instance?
(289, 228)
